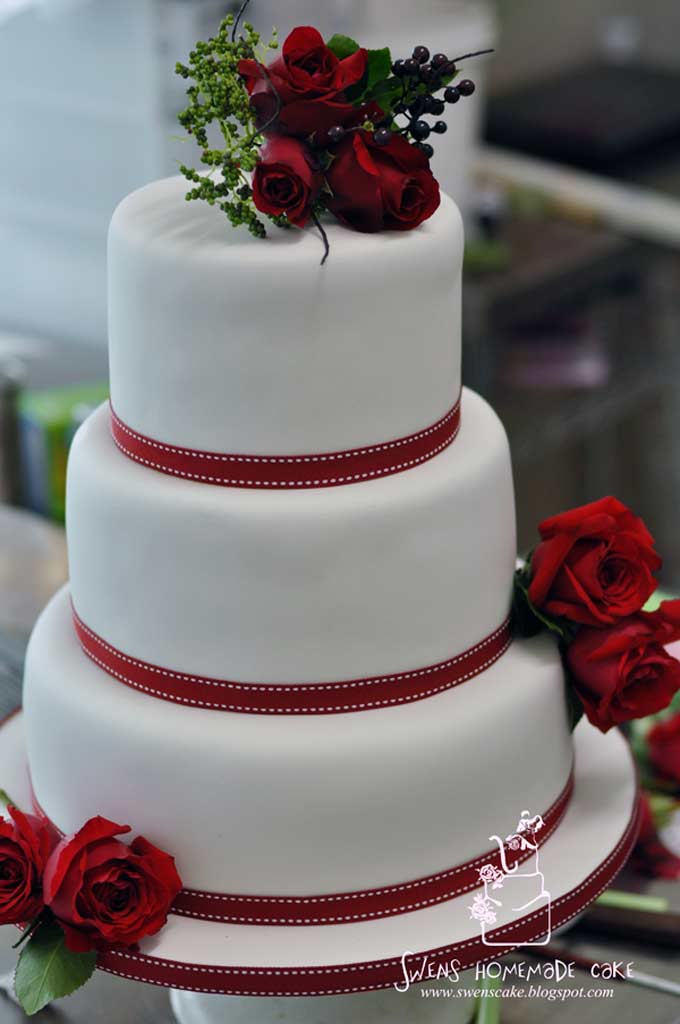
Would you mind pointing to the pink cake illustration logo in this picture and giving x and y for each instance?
(517, 888)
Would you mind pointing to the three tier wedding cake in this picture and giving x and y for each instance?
(285, 654)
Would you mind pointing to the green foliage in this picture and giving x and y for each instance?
(217, 97)
(526, 618)
(47, 970)
(527, 621)
(342, 46)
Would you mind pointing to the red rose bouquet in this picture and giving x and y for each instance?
(587, 582)
(75, 896)
(324, 127)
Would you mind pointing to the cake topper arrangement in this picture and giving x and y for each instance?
(326, 126)
(587, 583)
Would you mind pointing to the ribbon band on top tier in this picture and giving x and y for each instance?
(327, 469)
(321, 698)
(366, 904)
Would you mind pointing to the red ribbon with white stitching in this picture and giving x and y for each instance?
(337, 979)
(321, 698)
(326, 469)
(360, 905)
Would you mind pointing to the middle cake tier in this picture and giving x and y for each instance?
(287, 587)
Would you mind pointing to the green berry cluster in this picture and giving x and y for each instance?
(217, 97)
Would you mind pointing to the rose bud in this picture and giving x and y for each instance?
(104, 892)
(624, 672)
(25, 844)
(663, 742)
(306, 84)
(376, 187)
(284, 182)
(595, 564)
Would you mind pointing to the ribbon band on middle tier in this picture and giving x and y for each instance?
(322, 698)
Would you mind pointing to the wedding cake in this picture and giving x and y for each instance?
(295, 656)
(360, 600)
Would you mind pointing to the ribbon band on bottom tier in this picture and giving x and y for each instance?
(370, 693)
(367, 904)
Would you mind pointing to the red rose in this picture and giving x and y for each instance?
(624, 672)
(284, 182)
(664, 747)
(25, 844)
(377, 187)
(595, 564)
(104, 892)
(650, 856)
(310, 82)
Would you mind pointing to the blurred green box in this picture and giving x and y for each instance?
(47, 423)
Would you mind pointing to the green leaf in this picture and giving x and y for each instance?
(47, 970)
(527, 619)
(663, 808)
(342, 46)
(387, 92)
(379, 67)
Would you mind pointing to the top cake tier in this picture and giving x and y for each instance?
(222, 342)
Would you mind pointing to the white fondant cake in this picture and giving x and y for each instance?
(294, 586)
(220, 342)
(224, 343)
(318, 804)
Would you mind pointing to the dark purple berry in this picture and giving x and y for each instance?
(417, 108)
(440, 127)
(466, 87)
(429, 104)
(451, 94)
(382, 137)
(336, 133)
(421, 54)
(411, 66)
(438, 106)
(439, 60)
(420, 130)
(425, 73)
(398, 68)
(426, 148)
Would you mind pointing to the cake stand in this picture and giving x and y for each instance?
(344, 965)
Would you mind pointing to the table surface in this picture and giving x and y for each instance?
(32, 566)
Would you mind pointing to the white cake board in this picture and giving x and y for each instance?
(578, 861)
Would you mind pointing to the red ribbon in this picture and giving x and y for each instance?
(364, 905)
(361, 905)
(327, 469)
(321, 698)
(366, 975)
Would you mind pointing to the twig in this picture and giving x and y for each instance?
(465, 56)
(324, 237)
(237, 20)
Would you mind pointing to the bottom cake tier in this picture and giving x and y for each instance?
(297, 805)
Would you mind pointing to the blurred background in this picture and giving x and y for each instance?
(566, 163)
